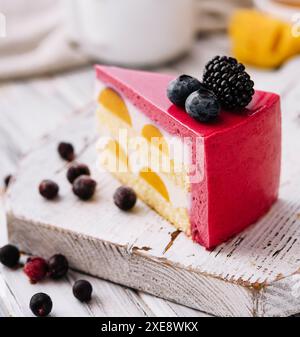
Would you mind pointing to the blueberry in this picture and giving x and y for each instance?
(125, 198)
(180, 89)
(58, 266)
(203, 106)
(84, 187)
(77, 170)
(9, 256)
(66, 151)
(82, 290)
(48, 189)
(41, 304)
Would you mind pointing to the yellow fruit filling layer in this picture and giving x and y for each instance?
(166, 189)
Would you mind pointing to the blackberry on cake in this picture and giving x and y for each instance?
(229, 81)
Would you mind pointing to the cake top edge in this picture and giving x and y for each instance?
(148, 91)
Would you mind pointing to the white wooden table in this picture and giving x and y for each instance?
(30, 109)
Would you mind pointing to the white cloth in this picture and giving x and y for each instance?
(37, 43)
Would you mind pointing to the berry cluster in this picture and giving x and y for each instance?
(225, 84)
(37, 269)
(83, 186)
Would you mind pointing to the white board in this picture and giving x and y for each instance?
(257, 273)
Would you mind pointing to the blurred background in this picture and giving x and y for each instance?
(47, 48)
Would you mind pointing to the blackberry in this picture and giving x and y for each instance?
(227, 78)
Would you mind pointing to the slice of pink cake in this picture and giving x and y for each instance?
(230, 168)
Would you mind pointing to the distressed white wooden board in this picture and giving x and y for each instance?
(254, 274)
(109, 300)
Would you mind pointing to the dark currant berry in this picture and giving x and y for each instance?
(125, 198)
(48, 189)
(9, 256)
(36, 268)
(84, 187)
(203, 106)
(41, 305)
(179, 89)
(7, 180)
(66, 151)
(82, 290)
(77, 170)
(58, 266)
(229, 81)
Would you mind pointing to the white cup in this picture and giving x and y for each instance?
(132, 32)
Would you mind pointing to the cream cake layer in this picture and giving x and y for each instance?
(166, 189)
(169, 155)
(234, 163)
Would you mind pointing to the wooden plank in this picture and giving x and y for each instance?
(249, 275)
(108, 300)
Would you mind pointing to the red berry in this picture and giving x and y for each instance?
(36, 268)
